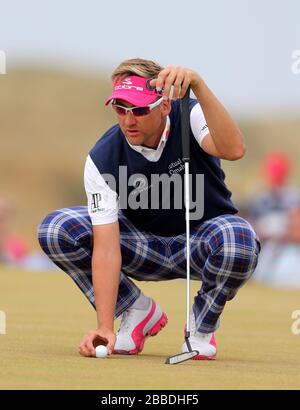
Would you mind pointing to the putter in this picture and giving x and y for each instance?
(185, 131)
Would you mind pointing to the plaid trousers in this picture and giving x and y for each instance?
(223, 255)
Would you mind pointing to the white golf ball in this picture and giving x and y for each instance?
(101, 351)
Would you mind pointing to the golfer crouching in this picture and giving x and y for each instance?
(134, 225)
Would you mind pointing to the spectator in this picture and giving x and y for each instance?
(275, 215)
(13, 250)
(12, 247)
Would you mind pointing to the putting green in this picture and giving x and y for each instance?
(46, 317)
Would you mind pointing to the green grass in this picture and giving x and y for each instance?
(47, 317)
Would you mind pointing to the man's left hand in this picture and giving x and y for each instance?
(178, 77)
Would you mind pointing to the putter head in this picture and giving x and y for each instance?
(182, 357)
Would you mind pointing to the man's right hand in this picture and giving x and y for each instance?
(101, 336)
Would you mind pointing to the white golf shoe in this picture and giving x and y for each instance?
(137, 325)
(204, 343)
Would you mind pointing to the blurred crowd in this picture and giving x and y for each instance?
(274, 212)
(13, 249)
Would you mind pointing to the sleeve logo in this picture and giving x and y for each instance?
(96, 203)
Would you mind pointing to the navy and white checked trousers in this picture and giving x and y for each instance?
(223, 255)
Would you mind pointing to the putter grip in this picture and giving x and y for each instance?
(185, 125)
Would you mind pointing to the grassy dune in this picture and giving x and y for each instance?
(50, 120)
(48, 123)
(47, 316)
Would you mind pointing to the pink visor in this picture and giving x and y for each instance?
(135, 90)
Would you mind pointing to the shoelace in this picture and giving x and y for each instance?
(192, 324)
(193, 331)
(125, 321)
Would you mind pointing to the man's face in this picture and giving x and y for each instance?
(145, 130)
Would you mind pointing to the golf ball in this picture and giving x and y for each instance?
(101, 351)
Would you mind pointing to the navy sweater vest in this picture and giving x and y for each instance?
(112, 151)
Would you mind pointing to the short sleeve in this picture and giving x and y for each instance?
(198, 124)
(102, 200)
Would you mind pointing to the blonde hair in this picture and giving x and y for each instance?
(136, 66)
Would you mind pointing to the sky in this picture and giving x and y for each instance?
(242, 48)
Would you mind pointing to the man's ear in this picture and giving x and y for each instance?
(166, 107)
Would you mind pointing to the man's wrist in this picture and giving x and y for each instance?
(108, 324)
(197, 83)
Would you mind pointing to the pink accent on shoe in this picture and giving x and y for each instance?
(211, 342)
(138, 332)
(201, 357)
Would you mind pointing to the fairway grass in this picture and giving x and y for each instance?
(46, 317)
